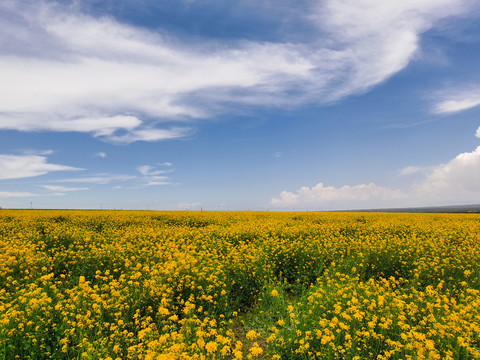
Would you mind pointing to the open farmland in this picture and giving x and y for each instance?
(225, 285)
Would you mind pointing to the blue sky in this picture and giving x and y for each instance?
(278, 105)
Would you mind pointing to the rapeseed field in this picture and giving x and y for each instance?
(238, 285)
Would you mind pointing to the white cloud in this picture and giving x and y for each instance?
(43, 152)
(457, 99)
(8, 194)
(450, 106)
(98, 126)
(149, 170)
(150, 135)
(321, 195)
(145, 169)
(64, 71)
(23, 166)
(97, 179)
(101, 155)
(153, 175)
(158, 181)
(35, 152)
(62, 189)
(104, 127)
(453, 183)
(108, 67)
(458, 180)
(409, 170)
(375, 39)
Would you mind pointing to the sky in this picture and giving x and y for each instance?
(239, 105)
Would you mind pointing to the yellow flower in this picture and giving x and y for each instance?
(163, 311)
(211, 347)
(201, 343)
(252, 334)
(256, 350)
(225, 350)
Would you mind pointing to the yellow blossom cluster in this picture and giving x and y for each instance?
(238, 285)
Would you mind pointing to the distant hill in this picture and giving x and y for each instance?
(430, 209)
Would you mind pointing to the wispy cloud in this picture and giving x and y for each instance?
(154, 175)
(124, 84)
(101, 155)
(15, 194)
(457, 99)
(24, 166)
(63, 189)
(36, 152)
(158, 181)
(151, 135)
(97, 179)
(150, 175)
(409, 170)
(149, 170)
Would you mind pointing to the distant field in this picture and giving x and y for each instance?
(233, 285)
